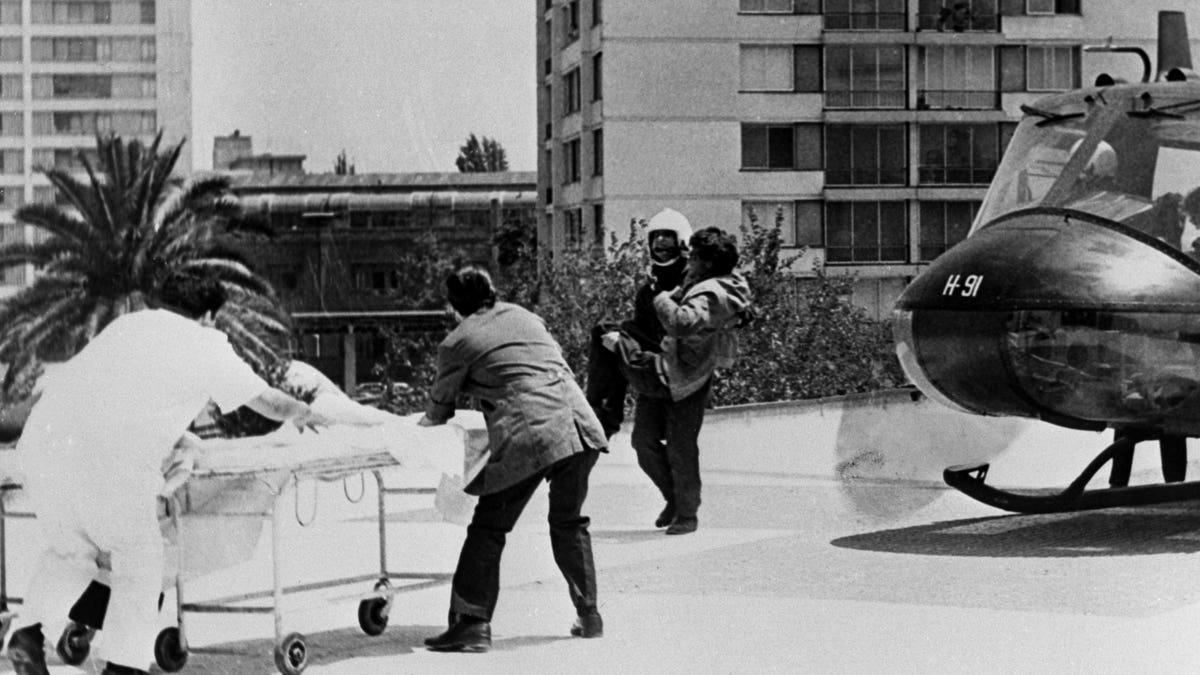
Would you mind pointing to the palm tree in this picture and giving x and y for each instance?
(121, 229)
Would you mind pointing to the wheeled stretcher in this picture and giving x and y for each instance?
(258, 479)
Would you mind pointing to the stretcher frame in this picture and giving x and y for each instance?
(290, 649)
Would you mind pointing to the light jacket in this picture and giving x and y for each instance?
(536, 414)
(699, 331)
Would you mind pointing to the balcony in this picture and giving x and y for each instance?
(958, 99)
(865, 176)
(864, 21)
(941, 174)
(873, 98)
(951, 21)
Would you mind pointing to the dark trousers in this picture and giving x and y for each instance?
(665, 434)
(476, 584)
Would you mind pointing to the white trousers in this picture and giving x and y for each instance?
(79, 519)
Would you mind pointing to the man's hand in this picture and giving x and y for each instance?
(426, 422)
(310, 419)
(610, 339)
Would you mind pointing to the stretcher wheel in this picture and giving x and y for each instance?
(168, 650)
(373, 615)
(74, 644)
(291, 654)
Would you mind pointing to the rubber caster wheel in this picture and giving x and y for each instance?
(373, 616)
(168, 650)
(291, 654)
(74, 644)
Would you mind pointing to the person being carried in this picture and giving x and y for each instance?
(540, 428)
(698, 320)
(613, 370)
(93, 449)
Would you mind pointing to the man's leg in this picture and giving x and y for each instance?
(569, 538)
(684, 419)
(131, 623)
(648, 441)
(476, 583)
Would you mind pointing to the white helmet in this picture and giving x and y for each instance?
(671, 221)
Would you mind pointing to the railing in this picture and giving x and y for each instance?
(958, 22)
(865, 176)
(864, 21)
(941, 174)
(866, 99)
(871, 254)
(958, 99)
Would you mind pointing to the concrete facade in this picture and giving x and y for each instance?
(646, 105)
(69, 70)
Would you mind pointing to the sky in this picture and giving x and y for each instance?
(399, 84)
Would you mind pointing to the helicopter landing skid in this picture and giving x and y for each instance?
(970, 480)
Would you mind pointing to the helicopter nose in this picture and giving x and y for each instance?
(1055, 315)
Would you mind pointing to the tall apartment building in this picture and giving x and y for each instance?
(871, 126)
(72, 68)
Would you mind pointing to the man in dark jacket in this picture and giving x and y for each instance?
(540, 427)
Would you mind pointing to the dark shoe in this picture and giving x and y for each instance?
(75, 643)
(666, 517)
(683, 525)
(468, 635)
(27, 651)
(588, 626)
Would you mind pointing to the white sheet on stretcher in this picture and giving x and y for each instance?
(240, 477)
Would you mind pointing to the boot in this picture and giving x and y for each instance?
(666, 517)
(588, 625)
(27, 651)
(683, 525)
(468, 634)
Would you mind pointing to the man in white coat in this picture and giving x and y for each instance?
(93, 449)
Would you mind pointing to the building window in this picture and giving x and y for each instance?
(10, 87)
(571, 101)
(598, 152)
(766, 68)
(10, 49)
(782, 146)
(958, 15)
(768, 146)
(1050, 68)
(962, 154)
(597, 77)
(573, 227)
(147, 12)
(765, 6)
(570, 22)
(12, 124)
(944, 224)
(69, 12)
(10, 12)
(1039, 6)
(866, 232)
(865, 76)
(375, 279)
(12, 161)
(12, 197)
(800, 222)
(73, 86)
(571, 161)
(864, 14)
(597, 12)
(958, 78)
(598, 224)
(865, 154)
(43, 194)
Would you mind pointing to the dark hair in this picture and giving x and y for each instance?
(192, 294)
(716, 247)
(470, 289)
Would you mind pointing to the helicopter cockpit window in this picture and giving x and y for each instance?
(1140, 170)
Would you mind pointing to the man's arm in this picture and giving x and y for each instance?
(280, 407)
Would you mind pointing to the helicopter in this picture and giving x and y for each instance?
(1075, 297)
